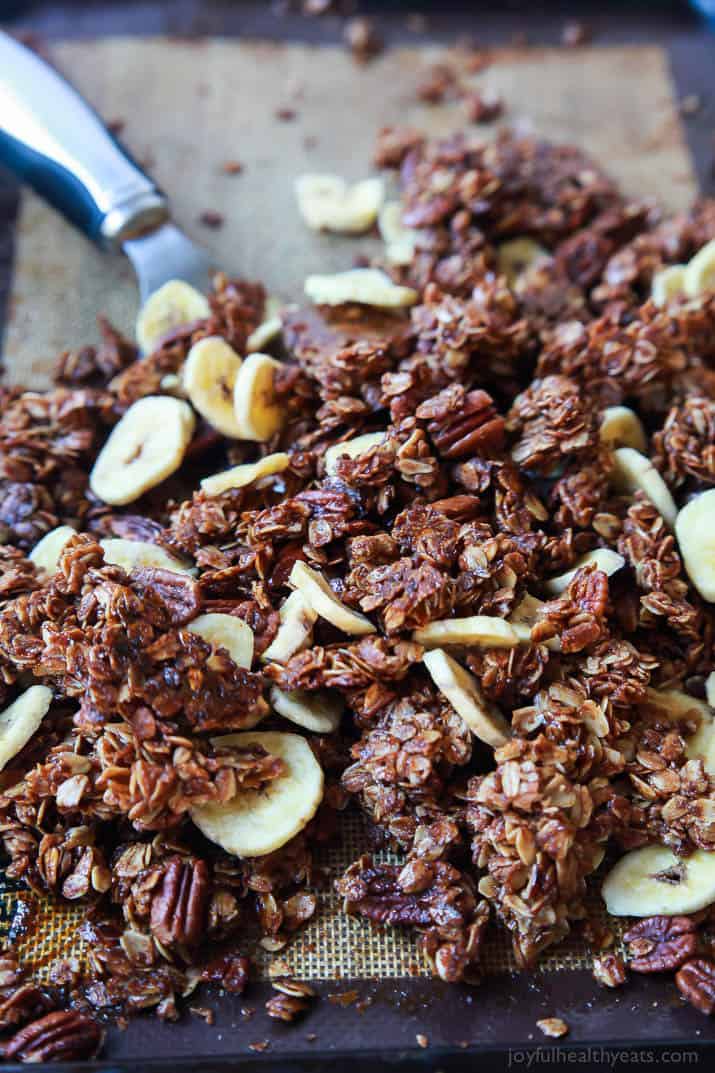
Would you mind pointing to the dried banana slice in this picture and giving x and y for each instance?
(46, 553)
(464, 694)
(699, 277)
(268, 329)
(673, 704)
(328, 203)
(226, 631)
(525, 616)
(209, 376)
(634, 472)
(667, 284)
(296, 628)
(258, 415)
(367, 286)
(516, 255)
(320, 712)
(141, 555)
(695, 530)
(143, 449)
(710, 689)
(246, 473)
(621, 427)
(20, 720)
(169, 307)
(317, 593)
(400, 241)
(359, 445)
(486, 630)
(257, 822)
(604, 559)
(652, 881)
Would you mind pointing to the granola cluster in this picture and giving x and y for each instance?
(484, 500)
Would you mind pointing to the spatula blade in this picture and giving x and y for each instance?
(167, 254)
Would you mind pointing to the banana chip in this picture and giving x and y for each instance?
(603, 558)
(699, 276)
(246, 473)
(296, 628)
(485, 630)
(169, 307)
(367, 286)
(226, 631)
(516, 255)
(141, 555)
(20, 720)
(695, 530)
(328, 203)
(256, 822)
(258, 415)
(143, 449)
(621, 427)
(464, 694)
(359, 445)
(667, 284)
(318, 595)
(652, 881)
(46, 553)
(209, 376)
(400, 241)
(320, 712)
(634, 472)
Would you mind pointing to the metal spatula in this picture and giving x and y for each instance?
(52, 140)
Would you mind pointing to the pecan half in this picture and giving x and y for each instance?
(696, 982)
(660, 944)
(63, 1036)
(178, 909)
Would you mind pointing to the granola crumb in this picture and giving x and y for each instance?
(259, 1045)
(285, 114)
(484, 106)
(211, 218)
(553, 1026)
(575, 34)
(205, 1013)
(232, 167)
(422, 1041)
(362, 39)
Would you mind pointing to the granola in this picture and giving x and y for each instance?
(437, 459)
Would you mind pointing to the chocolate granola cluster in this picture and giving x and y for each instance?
(487, 491)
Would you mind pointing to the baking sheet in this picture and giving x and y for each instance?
(187, 108)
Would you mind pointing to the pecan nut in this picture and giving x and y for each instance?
(660, 944)
(62, 1036)
(696, 982)
(609, 970)
(178, 909)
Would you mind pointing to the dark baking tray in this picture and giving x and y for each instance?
(492, 1026)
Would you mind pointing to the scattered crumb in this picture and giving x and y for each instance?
(575, 34)
(422, 1041)
(691, 104)
(211, 218)
(343, 998)
(204, 1012)
(362, 38)
(259, 1045)
(483, 107)
(232, 167)
(286, 115)
(438, 83)
(116, 126)
(311, 1037)
(553, 1026)
(247, 1012)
